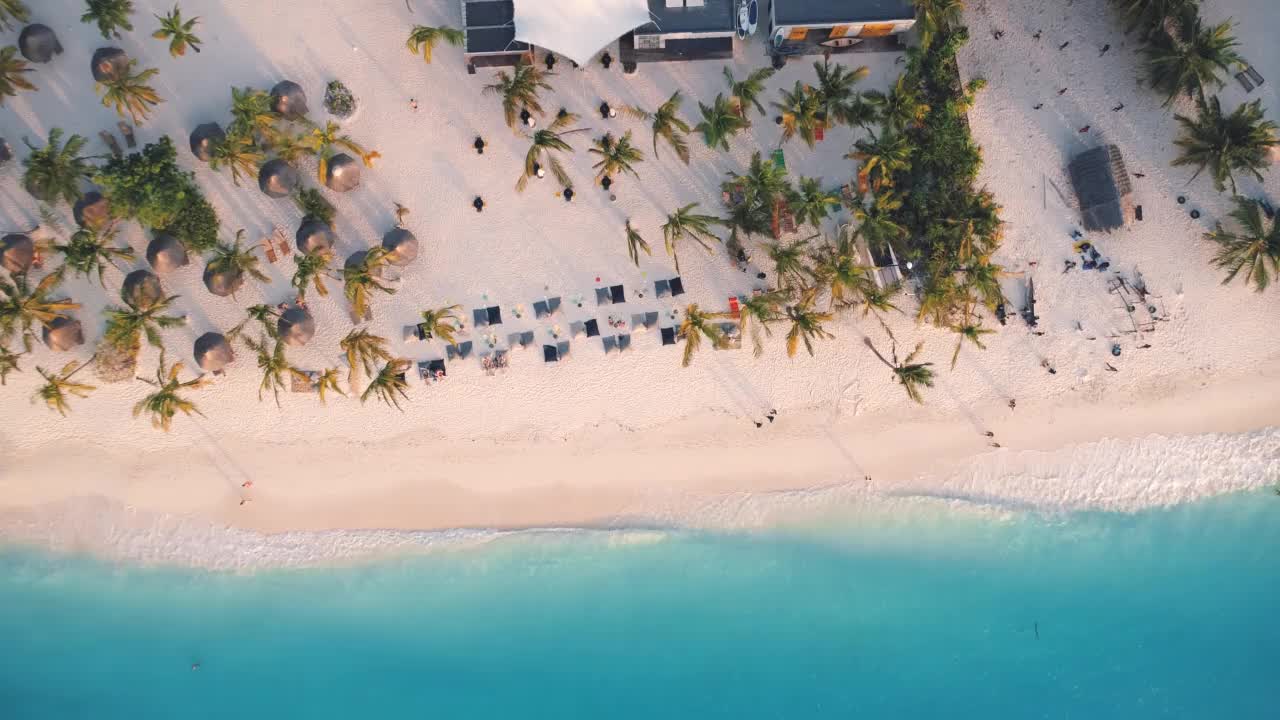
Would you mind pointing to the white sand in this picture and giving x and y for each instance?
(638, 440)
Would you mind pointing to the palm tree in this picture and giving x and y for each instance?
(983, 277)
(747, 91)
(910, 374)
(883, 156)
(55, 171)
(801, 109)
(837, 98)
(685, 223)
(166, 401)
(1223, 143)
(126, 325)
(238, 152)
(903, 106)
(109, 15)
(546, 143)
(22, 307)
(388, 383)
(666, 125)
(57, 386)
(811, 204)
(635, 244)
(178, 32)
(1255, 250)
(1190, 63)
(935, 16)
(694, 327)
(129, 92)
(11, 10)
(806, 323)
(325, 142)
(719, 123)
(764, 184)
(969, 328)
(313, 268)
(251, 114)
(12, 74)
(363, 349)
(789, 262)
(424, 38)
(274, 366)
(327, 380)
(88, 252)
(360, 279)
(520, 89)
(939, 298)
(8, 363)
(839, 268)
(616, 156)
(1151, 15)
(235, 259)
(266, 316)
(757, 312)
(876, 220)
(442, 323)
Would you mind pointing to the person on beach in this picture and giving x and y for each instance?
(413, 104)
(1118, 108)
(1037, 106)
(1013, 403)
(1084, 129)
(478, 204)
(1105, 48)
(989, 434)
(772, 414)
(568, 194)
(1062, 91)
(478, 145)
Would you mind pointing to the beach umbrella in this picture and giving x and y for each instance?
(296, 326)
(357, 258)
(288, 99)
(401, 245)
(314, 236)
(92, 210)
(204, 137)
(17, 252)
(343, 173)
(223, 283)
(142, 288)
(107, 63)
(166, 253)
(38, 44)
(63, 334)
(278, 178)
(213, 352)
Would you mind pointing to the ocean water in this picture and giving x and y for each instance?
(930, 612)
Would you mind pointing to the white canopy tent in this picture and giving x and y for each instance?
(577, 29)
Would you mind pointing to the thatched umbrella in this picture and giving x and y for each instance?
(296, 326)
(204, 137)
(356, 259)
(63, 334)
(278, 178)
(401, 245)
(314, 236)
(17, 252)
(213, 352)
(107, 63)
(288, 99)
(38, 43)
(223, 283)
(166, 253)
(142, 287)
(92, 210)
(343, 173)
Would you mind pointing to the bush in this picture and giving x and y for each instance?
(338, 100)
(149, 187)
(314, 206)
(196, 226)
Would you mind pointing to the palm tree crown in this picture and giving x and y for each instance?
(757, 312)
(910, 374)
(55, 171)
(88, 252)
(389, 384)
(180, 33)
(325, 142)
(748, 90)
(128, 92)
(238, 152)
(109, 15)
(13, 72)
(274, 366)
(546, 144)
(720, 122)
(635, 244)
(811, 204)
(166, 400)
(696, 325)
(13, 10)
(616, 155)
(1255, 250)
(126, 325)
(23, 307)
(361, 278)
(520, 89)
(800, 109)
(882, 156)
(423, 38)
(838, 100)
(666, 125)
(806, 323)
(57, 386)
(1225, 143)
(235, 259)
(1189, 62)
(313, 268)
(685, 223)
(363, 350)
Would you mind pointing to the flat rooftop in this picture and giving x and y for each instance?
(802, 12)
(711, 16)
(489, 27)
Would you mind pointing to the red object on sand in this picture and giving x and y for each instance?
(820, 132)
(733, 306)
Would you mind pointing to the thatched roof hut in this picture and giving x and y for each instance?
(223, 283)
(38, 43)
(401, 246)
(92, 210)
(17, 252)
(204, 137)
(1101, 183)
(314, 236)
(63, 334)
(278, 178)
(166, 253)
(142, 288)
(108, 62)
(213, 352)
(296, 326)
(288, 99)
(343, 173)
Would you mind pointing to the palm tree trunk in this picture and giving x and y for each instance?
(888, 364)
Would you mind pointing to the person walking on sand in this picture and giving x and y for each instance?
(1084, 129)
(1013, 403)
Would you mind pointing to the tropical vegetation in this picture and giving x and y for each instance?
(166, 400)
(544, 151)
(519, 89)
(58, 387)
(389, 385)
(423, 38)
(129, 93)
(24, 309)
(1253, 250)
(90, 251)
(361, 278)
(666, 125)
(720, 122)
(1226, 144)
(617, 155)
(111, 16)
(13, 12)
(55, 171)
(684, 223)
(13, 72)
(179, 32)
(363, 349)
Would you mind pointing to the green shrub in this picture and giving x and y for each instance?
(314, 207)
(196, 226)
(148, 186)
(338, 100)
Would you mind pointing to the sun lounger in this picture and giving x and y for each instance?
(495, 315)
(546, 308)
(603, 296)
(562, 349)
(577, 328)
(593, 327)
(460, 351)
(413, 333)
(732, 334)
(662, 288)
(304, 384)
(618, 295)
(520, 339)
(644, 321)
(549, 354)
(479, 317)
(495, 361)
(668, 336)
(431, 370)
(624, 343)
(1245, 82)
(610, 344)
(1254, 76)
(677, 287)
(734, 308)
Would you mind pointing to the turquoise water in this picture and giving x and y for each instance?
(1168, 614)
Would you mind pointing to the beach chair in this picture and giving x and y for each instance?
(460, 351)
(479, 317)
(495, 315)
(562, 349)
(1243, 78)
(603, 296)
(1254, 76)
(546, 308)
(521, 339)
(668, 336)
(593, 328)
(617, 294)
(549, 354)
(413, 333)
(641, 322)
(732, 334)
(677, 286)
(624, 343)
(734, 309)
(610, 344)
(662, 288)
(779, 159)
(577, 328)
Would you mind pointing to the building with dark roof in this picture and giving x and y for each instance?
(1101, 182)
(491, 34)
(798, 27)
(682, 30)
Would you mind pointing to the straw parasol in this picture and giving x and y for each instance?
(38, 43)
(296, 326)
(204, 137)
(223, 283)
(277, 178)
(401, 246)
(356, 259)
(166, 253)
(107, 63)
(213, 352)
(142, 288)
(17, 252)
(63, 334)
(343, 173)
(92, 210)
(288, 99)
(314, 236)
